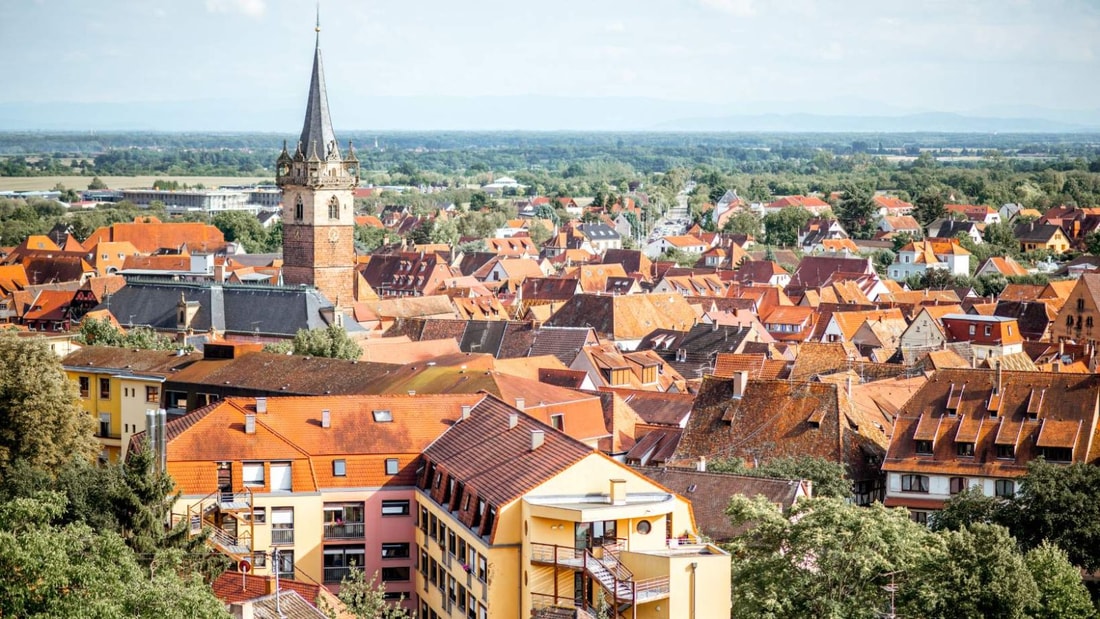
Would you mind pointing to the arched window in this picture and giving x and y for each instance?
(334, 208)
(299, 209)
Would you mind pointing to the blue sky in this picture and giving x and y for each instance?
(250, 58)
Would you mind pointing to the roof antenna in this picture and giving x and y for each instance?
(317, 28)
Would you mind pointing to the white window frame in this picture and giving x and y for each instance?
(281, 476)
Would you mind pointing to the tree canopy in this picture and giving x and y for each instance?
(331, 341)
(827, 558)
(41, 421)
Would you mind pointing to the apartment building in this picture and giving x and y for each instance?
(518, 520)
(328, 481)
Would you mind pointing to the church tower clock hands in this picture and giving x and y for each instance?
(318, 200)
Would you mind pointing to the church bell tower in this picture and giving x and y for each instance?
(318, 200)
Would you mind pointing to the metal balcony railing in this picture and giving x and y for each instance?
(338, 574)
(345, 530)
(282, 537)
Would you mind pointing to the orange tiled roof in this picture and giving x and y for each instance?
(148, 234)
(684, 241)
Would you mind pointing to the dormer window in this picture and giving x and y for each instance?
(1006, 452)
(681, 355)
(923, 448)
(965, 450)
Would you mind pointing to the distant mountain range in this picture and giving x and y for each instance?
(537, 113)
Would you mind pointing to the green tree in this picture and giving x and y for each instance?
(101, 332)
(72, 570)
(242, 227)
(274, 242)
(979, 573)
(743, 222)
(366, 599)
(331, 341)
(971, 506)
(546, 211)
(856, 211)
(41, 421)
(1062, 595)
(479, 200)
(781, 228)
(929, 205)
(444, 231)
(827, 558)
(1000, 234)
(97, 184)
(368, 238)
(829, 478)
(1057, 503)
(1092, 243)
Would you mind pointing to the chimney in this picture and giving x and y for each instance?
(242, 610)
(261, 405)
(538, 437)
(1061, 349)
(618, 492)
(740, 381)
(466, 408)
(1056, 367)
(520, 403)
(701, 465)
(513, 420)
(849, 386)
(249, 424)
(326, 418)
(271, 585)
(997, 387)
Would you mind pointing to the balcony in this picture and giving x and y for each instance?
(338, 574)
(282, 537)
(345, 530)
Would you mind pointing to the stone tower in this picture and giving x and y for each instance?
(318, 201)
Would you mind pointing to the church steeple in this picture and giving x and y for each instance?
(318, 201)
(318, 138)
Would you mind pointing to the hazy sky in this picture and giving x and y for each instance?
(831, 56)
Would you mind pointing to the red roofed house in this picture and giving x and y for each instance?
(815, 205)
(969, 428)
(148, 234)
(989, 336)
(975, 213)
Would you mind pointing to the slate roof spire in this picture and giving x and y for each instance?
(318, 138)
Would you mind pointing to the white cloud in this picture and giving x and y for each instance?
(739, 8)
(251, 8)
(615, 26)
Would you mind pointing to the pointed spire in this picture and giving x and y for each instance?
(317, 134)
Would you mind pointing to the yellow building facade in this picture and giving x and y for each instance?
(117, 400)
(585, 533)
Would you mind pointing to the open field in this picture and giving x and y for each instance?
(33, 183)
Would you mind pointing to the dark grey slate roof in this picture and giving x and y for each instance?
(317, 134)
(267, 310)
(565, 343)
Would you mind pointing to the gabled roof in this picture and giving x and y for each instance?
(813, 271)
(1005, 265)
(757, 365)
(497, 461)
(12, 277)
(1037, 233)
(148, 235)
(625, 316)
(782, 418)
(710, 494)
(803, 201)
(565, 343)
(1028, 411)
(657, 408)
(700, 345)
